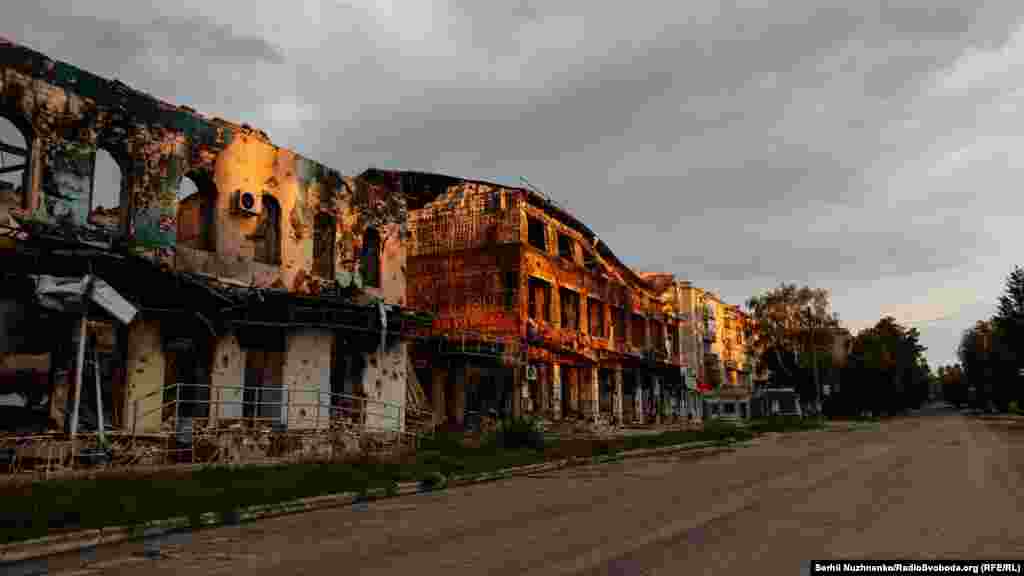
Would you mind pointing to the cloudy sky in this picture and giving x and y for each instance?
(854, 146)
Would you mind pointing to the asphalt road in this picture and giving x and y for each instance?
(931, 486)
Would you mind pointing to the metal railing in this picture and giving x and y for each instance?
(186, 427)
(296, 408)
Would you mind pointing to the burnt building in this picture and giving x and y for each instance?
(273, 291)
(552, 322)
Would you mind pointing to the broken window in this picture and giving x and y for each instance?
(197, 210)
(596, 320)
(106, 182)
(370, 258)
(268, 234)
(658, 329)
(324, 232)
(565, 247)
(263, 395)
(511, 288)
(638, 329)
(540, 299)
(536, 232)
(14, 165)
(187, 373)
(619, 319)
(570, 303)
(348, 370)
(493, 201)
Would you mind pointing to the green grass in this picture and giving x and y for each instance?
(37, 509)
(785, 424)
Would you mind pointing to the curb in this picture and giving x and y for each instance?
(85, 539)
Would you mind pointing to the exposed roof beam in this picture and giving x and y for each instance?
(15, 168)
(4, 147)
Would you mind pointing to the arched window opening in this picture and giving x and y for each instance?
(15, 157)
(324, 232)
(268, 233)
(370, 258)
(106, 190)
(197, 204)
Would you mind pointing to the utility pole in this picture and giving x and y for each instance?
(814, 358)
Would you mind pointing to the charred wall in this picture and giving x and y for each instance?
(66, 114)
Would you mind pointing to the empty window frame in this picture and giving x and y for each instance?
(511, 288)
(268, 234)
(566, 248)
(595, 310)
(370, 258)
(324, 232)
(536, 233)
(540, 299)
(570, 305)
(638, 329)
(619, 319)
(196, 213)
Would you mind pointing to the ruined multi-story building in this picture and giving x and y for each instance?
(564, 329)
(719, 338)
(274, 291)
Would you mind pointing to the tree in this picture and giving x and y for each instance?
(1007, 339)
(887, 371)
(951, 381)
(788, 318)
(975, 353)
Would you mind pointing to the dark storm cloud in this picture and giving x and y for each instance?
(740, 143)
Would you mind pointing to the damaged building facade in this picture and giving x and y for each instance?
(564, 330)
(720, 339)
(273, 293)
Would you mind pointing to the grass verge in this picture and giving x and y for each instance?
(47, 507)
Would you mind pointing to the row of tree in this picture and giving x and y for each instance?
(800, 341)
(991, 369)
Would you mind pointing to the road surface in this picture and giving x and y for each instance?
(940, 486)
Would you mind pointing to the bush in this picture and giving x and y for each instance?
(784, 424)
(434, 481)
(1014, 407)
(520, 433)
(604, 448)
(718, 431)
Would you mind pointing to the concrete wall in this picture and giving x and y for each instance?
(68, 114)
(145, 369)
(385, 380)
(307, 376)
(227, 378)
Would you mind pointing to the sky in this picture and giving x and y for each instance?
(862, 147)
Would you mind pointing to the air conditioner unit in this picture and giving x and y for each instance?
(246, 203)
